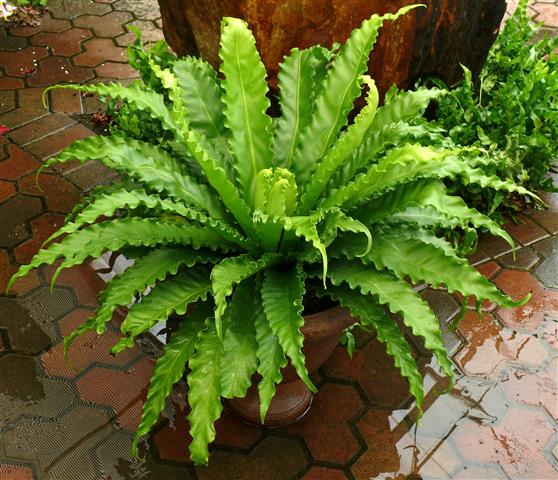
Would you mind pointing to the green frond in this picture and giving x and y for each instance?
(298, 77)
(202, 97)
(204, 392)
(232, 271)
(144, 273)
(282, 293)
(423, 194)
(399, 297)
(145, 100)
(171, 296)
(146, 163)
(340, 89)
(347, 144)
(112, 235)
(405, 107)
(170, 368)
(271, 358)
(246, 104)
(107, 205)
(239, 361)
(388, 332)
(425, 262)
(408, 163)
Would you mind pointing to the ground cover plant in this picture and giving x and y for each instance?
(234, 215)
(512, 111)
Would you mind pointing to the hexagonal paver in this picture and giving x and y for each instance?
(322, 473)
(109, 25)
(543, 302)
(11, 471)
(525, 232)
(84, 351)
(379, 432)
(550, 333)
(142, 9)
(48, 24)
(326, 428)
(149, 31)
(525, 258)
(446, 308)
(535, 388)
(60, 195)
(70, 9)
(7, 269)
(22, 62)
(548, 218)
(24, 334)
(58, 70)
(273, 459)
(374, 370)
(547, 271)
(39, 128)
(517, 449)
(116, 70)
(56, 445)
(120, 389)
(489, 346)
(66, 45)
(99, 50)
(13, 213)
(17, 164)
(7, 101)
(7, 190)
(19, 378)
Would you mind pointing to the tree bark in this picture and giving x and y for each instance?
(426, 42)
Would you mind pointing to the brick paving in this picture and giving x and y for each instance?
(61, 420)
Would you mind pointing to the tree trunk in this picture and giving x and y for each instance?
(426, 42)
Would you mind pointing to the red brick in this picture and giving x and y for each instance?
(10, 83)
(7, 101)
(17, 164)
(60, 195)
(116, 70)
(6, 269)
(40, 128)
(109, 25)
(66, 45)
(490, 347)
(516, 443)
(543, 302)
(41, 228)
(20, 62)
(7, 190)
(54, 70)
(51, 145)
(488, 269)
(99, 50)
(21, 116)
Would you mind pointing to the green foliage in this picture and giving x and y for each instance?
(512, 112)
(32, 3)
(234, 215)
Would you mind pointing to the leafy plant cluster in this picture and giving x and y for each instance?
(32, 3)
(512, 112)
(234, 215)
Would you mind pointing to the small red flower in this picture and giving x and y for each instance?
(4, 129)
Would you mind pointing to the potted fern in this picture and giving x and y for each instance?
(234, 216)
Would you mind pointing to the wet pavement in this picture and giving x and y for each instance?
(75, 420)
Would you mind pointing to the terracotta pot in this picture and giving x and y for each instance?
(426, 42)
(293, 399)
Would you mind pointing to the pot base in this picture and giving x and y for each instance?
(291, 402)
